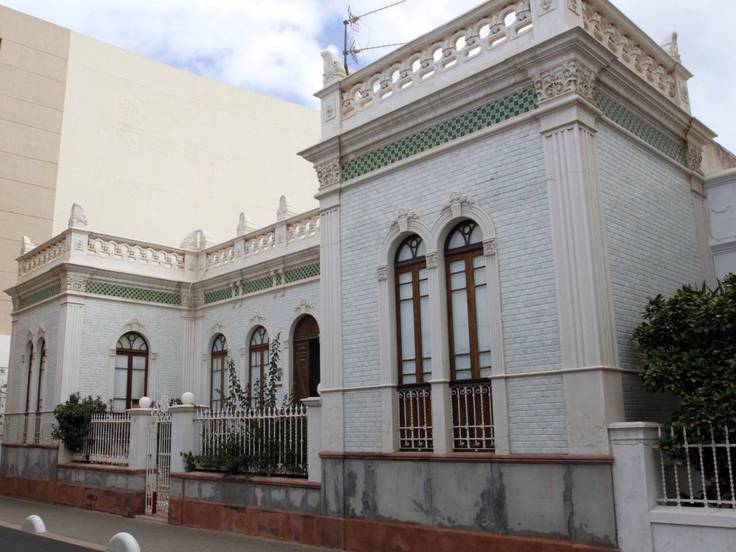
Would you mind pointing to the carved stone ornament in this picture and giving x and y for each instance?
(456, 203)
(74, 282)
(244, 225)
(328, 174)
(76, 217)
(258, 318)
(546, 5)
(489, 247)
(304, 307)
(382, 273)
(283, 212)
(695, 157)
(217, 328)
(574, 6)
(333, 69)
(431, 259)
(134, 325)
(403, 219)
(569, 78)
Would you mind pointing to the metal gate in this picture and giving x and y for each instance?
(158, 463)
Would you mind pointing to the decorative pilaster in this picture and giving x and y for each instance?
(593, 397)
(330, 284)
(68, 355)
(696, 141)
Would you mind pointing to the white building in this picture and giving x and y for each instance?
(497, 201)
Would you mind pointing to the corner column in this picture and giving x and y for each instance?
(592, 384)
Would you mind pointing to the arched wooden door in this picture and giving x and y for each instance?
(306, 358)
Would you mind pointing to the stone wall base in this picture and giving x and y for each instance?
(113, 501)
(358, 535)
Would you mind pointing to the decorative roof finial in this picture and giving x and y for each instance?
(77, 218)
(244, 225)
(27, 245)
(283, 211)
(333, 70)
(196, 240)
(670, 46)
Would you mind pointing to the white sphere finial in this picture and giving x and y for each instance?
(33, 524)
(144, 402)
(187, 398)
(123, 542)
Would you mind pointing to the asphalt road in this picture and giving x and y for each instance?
(18, 541)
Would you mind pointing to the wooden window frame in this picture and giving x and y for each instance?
(41, 370)
(31, 356)
(216, 355)
(465, 253)
(262, 350)
(131, 353)
(413, 266)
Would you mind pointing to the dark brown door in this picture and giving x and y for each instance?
(306, 358)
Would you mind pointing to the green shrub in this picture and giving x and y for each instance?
(73, 420)
(689, 341)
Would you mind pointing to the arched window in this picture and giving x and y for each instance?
(217, 372)
(258, 359)
(29, 353)
(131, 371)
(39, 387)
(305, 372)
(412, 312)
(467, 305)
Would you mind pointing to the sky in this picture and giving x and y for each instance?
(273, 46)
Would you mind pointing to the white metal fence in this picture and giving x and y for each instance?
(698, 467)
(29, 428)
(272, 441)
(472, 417)
(158, 463)
(415, 417)
(108, 439)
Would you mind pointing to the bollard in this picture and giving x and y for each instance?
(34, 524)
(123, 542)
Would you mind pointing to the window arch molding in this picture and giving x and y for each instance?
(405, 224)
(132, 356)
(218, 351)
(459, 209)
(258, 354)
(136, 327)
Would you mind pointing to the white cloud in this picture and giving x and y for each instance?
(273, 45)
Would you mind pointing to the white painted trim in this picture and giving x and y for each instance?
(697, 517)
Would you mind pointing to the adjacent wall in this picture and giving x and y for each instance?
(652, 245)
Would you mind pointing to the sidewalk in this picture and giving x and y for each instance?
(97, 528)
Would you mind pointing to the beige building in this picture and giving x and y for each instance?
(149, 150)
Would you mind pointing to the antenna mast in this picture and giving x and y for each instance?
(350, 22)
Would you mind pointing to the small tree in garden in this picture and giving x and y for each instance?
(689, 342)
(73, 420)
(251, 446)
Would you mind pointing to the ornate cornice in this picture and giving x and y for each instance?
(571, 77)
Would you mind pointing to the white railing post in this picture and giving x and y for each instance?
(182, 431)
(635, 482)
(314, 437)
(140, 426)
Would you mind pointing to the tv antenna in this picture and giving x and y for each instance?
(352, 22)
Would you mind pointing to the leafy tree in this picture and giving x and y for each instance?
(689, 341)
(73, 419)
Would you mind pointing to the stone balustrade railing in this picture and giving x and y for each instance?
(303, 226)
(42, 255)
(635, 50)
(485, 30)
(296, 228)
(115, 248)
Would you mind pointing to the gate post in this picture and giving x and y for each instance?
(314, 437)
(140, 427)
(182, 433)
